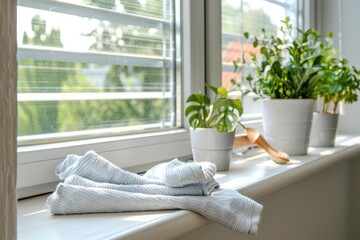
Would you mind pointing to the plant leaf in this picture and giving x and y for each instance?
(223, 92)
(197, 110)
(192, 108)
(212, 88)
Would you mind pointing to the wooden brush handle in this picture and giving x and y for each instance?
(242, 141)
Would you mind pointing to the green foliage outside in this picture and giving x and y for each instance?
(240, 19)
(60, 77)
(37, 76)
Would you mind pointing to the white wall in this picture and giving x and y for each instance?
(354, 231)
(342, 17)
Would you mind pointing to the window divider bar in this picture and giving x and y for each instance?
(213, 51)
(31, 97)
(94, 12)
(277, 2)
(234, 37)
(55, 54)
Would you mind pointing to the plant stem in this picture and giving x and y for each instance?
(336, 103)
(242, 125)
(325, 106)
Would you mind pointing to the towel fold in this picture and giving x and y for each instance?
(173, 174)
(96, 168)
(93, 185)
(178, 174)
(195, 189)
(228, 207)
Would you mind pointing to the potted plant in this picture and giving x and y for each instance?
(286, 75)
(213, 126)
(340, 82)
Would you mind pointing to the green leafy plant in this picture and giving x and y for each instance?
(300, 66)
(223, 112)
(340, 82)
(287, 67)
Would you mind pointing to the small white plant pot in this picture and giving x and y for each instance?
(287, 124)
(209, 145)
(323, 130)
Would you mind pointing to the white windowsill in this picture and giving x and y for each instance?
(254, 176)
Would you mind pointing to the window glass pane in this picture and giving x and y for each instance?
(95, 67)
(250, 16)
(240, 16)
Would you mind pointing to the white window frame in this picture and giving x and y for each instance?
(37, 163)
(165, 61)
(137, 152)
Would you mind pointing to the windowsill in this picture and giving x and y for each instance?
(254, 176)
(36, 164)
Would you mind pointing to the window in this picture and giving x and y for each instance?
(120, 55)
(92, 68)
(102, 75)
(240, 16)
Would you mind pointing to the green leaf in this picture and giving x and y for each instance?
(223, 92)
(249, 78)
(218, 118)
(236, 104)
(246, 35)
(277, 68)
(212, 88)
(256, 43)
(195, 98)
(235, 65)
(264, 51)
(233, 81)
(197, 110)
(194, 121)
(253, 56)
(220, 104)
(228, 112)
(192, 108)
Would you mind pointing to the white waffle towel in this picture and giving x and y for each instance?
(93, 185)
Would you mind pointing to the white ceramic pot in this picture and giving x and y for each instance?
(323, 130)
(209, 145)
(287, 124)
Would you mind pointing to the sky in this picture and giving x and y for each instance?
(71, 26)
(68, 24)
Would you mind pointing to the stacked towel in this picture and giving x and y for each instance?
(93, 184)
(175, 176)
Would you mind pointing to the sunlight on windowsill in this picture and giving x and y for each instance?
(36, 212)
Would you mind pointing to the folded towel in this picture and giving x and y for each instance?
(227, 207)
(173, 174)
(93, 185)
(177, 174)
(195, 189)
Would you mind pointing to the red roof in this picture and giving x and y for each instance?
(235, 51)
